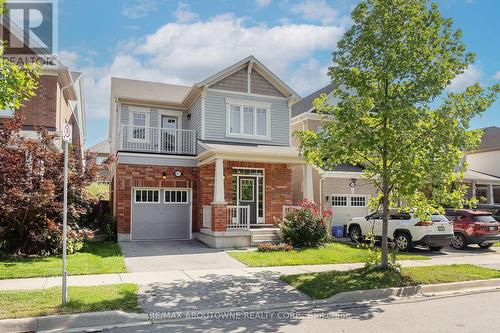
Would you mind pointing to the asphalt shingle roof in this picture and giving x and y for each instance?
(305, 104)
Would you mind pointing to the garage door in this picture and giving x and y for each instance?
(161, 214)
(346, 207)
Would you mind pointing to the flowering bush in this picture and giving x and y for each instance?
(270, 247)
(305, 226)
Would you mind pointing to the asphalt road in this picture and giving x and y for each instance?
(457, 313)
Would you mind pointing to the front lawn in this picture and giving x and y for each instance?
(34, 303)
(327, 284)
(331, 253)
(94, 258)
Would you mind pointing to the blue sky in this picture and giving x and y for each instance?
(182, 42)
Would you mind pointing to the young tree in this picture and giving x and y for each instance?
(389, 73)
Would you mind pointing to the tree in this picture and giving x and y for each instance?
(393, 115)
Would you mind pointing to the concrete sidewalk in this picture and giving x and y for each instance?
(146, 278)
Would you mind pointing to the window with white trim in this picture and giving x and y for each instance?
(339, 201)
(139, 121)
(358, 201)
(147, 196)
(176, 196)
(249, 120)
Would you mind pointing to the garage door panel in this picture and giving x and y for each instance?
(154, 221)
(343, 209)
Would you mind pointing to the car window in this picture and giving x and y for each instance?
(439, 218)
(483, 218)
(400, 216)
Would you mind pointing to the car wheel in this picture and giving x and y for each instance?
(459, 241)
(403, 242)
(355, 233)
(486, 246)
(435, 248)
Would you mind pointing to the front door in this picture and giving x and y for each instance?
(169, 133)
(248, 196)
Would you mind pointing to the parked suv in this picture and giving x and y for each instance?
(473, 227)
(405, 230)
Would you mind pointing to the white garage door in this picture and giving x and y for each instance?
(346, 207)
(161, 214)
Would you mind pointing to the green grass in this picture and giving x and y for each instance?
(327, 284)
(98, 191)
(94, 258)
(18, 304)
(331, 253)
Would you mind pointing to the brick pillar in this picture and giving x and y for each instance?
(219, 217)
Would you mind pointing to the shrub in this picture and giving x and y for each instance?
(107, 225)
(305, 226)
(270, 247)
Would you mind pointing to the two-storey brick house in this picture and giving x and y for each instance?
(211, 161)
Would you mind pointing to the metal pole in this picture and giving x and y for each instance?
(65, 222)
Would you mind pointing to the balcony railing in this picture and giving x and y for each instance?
(238, 217)
(157, 140)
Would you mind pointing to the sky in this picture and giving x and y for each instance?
(183, 42)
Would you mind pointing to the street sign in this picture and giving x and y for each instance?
(66, 132)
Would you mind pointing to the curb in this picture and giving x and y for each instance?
(97, 321)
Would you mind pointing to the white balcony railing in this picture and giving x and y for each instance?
(238, 217)
(157, 140)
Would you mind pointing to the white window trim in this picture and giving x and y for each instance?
(255, 105)
(171, 113)
(177, 190)
(253, 192)
(349, 196)
(146, 202)
(131, 123)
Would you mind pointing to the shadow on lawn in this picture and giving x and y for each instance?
(225, 293)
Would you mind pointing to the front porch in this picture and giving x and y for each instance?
(241, 201)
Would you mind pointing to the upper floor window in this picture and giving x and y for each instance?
(139, 121)
(248, 120)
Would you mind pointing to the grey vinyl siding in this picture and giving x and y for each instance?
(195, 122)
(215, 118)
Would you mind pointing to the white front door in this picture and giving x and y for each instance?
(168, 133)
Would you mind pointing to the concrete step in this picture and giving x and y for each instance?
(264, 231)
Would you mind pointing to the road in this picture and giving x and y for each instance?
(457, 313)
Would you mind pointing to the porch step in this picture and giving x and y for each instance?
(268, 235)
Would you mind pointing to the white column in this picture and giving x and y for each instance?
(473, 190)
(219, 182)
(308, 183)
(491, 198)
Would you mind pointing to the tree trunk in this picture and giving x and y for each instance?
(385, 219)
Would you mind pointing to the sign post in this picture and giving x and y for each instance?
(66, 136)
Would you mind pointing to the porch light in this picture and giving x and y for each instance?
(327, 198)
(164, 175)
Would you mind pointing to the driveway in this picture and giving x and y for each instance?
(175, 256)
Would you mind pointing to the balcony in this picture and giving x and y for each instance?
(157, 140)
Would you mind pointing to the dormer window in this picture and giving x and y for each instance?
(248, 120)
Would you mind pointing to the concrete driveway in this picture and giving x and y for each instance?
(174, 256)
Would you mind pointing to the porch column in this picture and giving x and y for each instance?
(219, 182)
(473, 190)
(308, 183)
(491, 197)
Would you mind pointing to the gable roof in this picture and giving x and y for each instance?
(102, 147)
(306, 104)
(490, 139)
(181, 96)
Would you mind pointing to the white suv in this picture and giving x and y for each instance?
(405, 230)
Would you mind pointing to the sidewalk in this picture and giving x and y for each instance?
(145, 278)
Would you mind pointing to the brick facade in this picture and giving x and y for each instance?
(277, 182)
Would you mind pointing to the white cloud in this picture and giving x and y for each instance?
(315, 11)
(183, 13)
(68, 58)
(139, 8)
(471, 75)
(181, 53)
(263, 3)
(496, 76)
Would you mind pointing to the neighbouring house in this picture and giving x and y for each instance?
(59, 97)
(101, 152)
(341, 188)
(212, 161)
(483, 168)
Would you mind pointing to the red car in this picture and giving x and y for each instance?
(473, 227)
